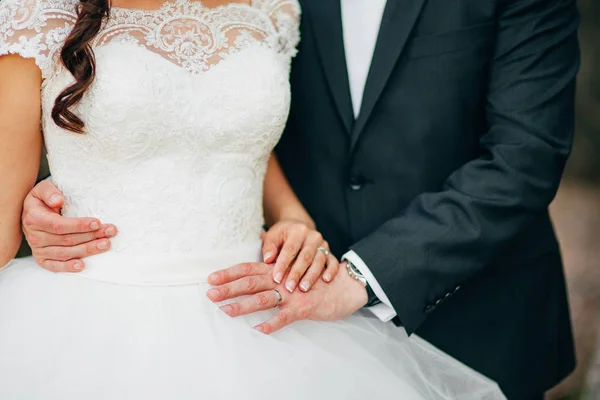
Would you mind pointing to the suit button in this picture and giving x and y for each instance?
(429, 309)
(356, 182)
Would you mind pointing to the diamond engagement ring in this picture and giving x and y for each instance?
(279, 298)
(324, 251)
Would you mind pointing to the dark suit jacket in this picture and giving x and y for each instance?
(442, 184)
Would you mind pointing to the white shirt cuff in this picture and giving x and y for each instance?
(384, 311)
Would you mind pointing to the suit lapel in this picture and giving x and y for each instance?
(398, 21)
(326, 21)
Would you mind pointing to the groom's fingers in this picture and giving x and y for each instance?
(241, 287)
(259, 302)
(60, 266)
(62, 253)
(56, 224)
(43, 239)
(48, 193)
(283, 318)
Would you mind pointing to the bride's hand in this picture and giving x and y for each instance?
(300, 252)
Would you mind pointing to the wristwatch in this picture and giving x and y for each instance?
(354, 273)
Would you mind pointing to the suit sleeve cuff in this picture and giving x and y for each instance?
(384, 311)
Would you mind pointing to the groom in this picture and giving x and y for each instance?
(426, 139)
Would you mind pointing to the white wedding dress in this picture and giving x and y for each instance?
(187, 105)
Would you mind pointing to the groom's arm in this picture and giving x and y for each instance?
(59, 243)
(382, 307)
(443, 239)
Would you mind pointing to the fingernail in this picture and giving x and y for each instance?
(327, 277)
(103, 245)
(290, 286)
(95, 225)
(55, 199)
(213, 277)
(267, 256)
(278, 277)
(305, 286)
(110, 231)
(259, 328)
(213, 293)
(227, 309)
(77, 267)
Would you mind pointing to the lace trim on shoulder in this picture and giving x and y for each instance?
(285, 15)
(36, 29)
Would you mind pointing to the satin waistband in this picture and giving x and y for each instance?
(165, 269)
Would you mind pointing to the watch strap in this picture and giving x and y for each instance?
(372, 299)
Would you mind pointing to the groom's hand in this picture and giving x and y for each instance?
(58, 243)
(325, 302)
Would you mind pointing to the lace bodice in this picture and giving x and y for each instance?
(187, 104)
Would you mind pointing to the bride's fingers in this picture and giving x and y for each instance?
(238, 271)
(259, 302)
(313, 273)
(289, 252)
(283, 318)
(304, 260)
(241, 287)
(272, 241)
(333, 267)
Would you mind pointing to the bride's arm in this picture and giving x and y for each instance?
(292, 241)
(20, 145)
(280, 201)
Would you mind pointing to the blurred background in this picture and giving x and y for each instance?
(576, 214)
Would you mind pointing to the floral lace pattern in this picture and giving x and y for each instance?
(197, 37)
(191, 34)
(36, 29)
(187, 104)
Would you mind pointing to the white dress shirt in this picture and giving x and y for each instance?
(361, 20)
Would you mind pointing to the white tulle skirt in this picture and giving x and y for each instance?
(143, 328)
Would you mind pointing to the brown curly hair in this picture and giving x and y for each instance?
(78, 58)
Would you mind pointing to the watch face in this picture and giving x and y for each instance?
(354, 269)
(355, 273)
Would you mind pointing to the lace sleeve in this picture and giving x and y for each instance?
(36, 29)
(286, 17)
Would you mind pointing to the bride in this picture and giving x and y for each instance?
(162, 119)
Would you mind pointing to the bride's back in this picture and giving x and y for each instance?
(187, 104)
